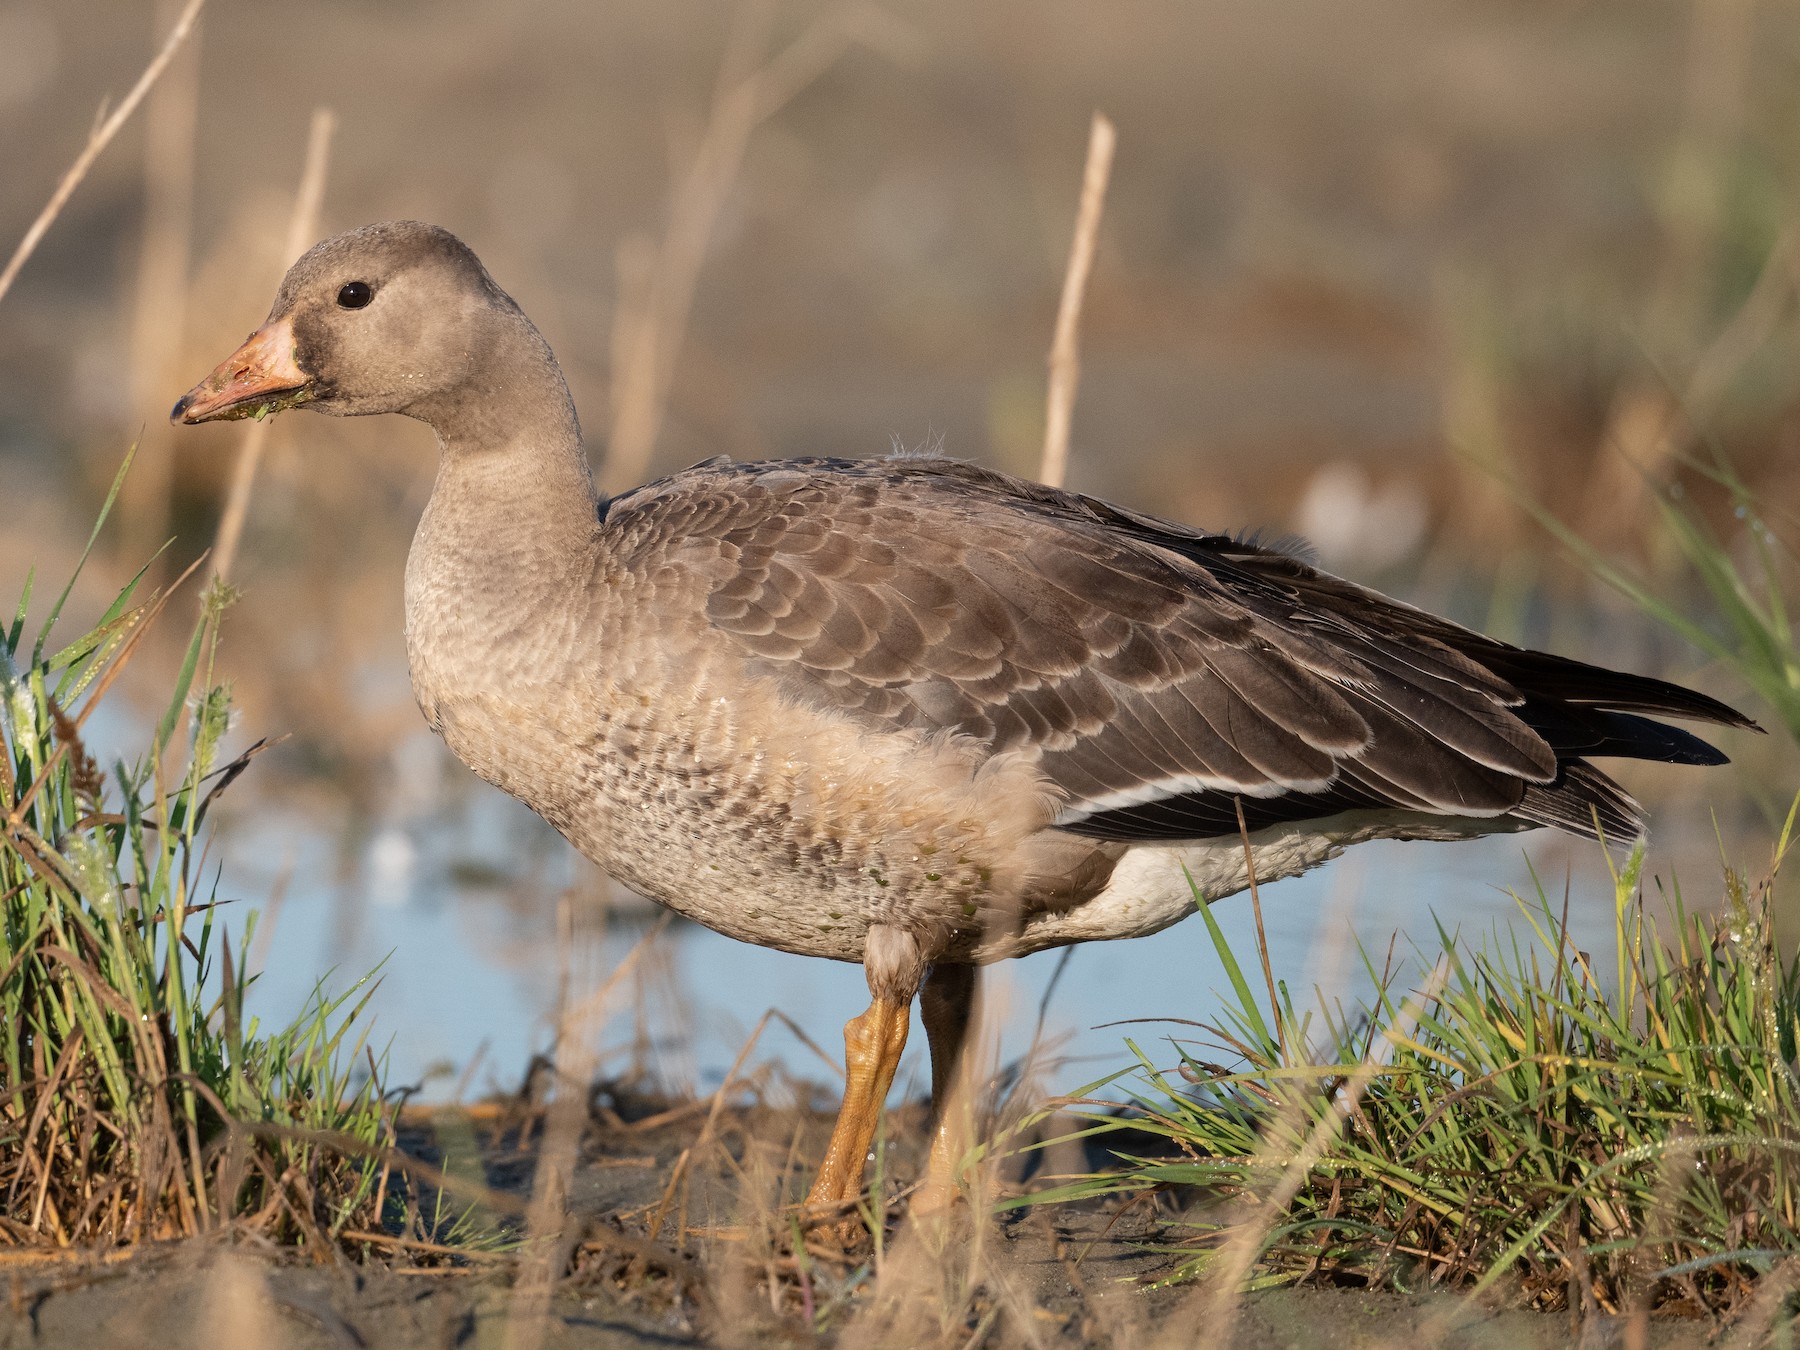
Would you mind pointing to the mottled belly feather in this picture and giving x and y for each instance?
(779, 825)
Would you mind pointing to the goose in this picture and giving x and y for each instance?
(905, 711)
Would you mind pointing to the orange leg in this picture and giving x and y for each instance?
(872, 1046)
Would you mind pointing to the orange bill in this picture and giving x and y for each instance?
(260, 377)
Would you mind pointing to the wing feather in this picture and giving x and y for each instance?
(1155, 671)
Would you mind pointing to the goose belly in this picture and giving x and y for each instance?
(788, 827)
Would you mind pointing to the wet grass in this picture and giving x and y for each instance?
(1621, 1131)
(138, 1099)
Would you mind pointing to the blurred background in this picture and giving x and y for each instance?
(1376, 275)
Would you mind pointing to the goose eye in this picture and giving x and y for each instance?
(355, 295)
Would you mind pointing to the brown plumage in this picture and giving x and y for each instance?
(905, 711)
(1155, 672)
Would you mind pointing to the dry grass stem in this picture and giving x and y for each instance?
(678, 1174)
(1750, 328)
(303, 226)
(1262, 937)
(1654, 427)
(1768, 1315)
(1721, 41)
(238, 1311)
(158, 311)
(657, 283)
(1065, 357)
(549, 1227)
(97, 142)
(142, 1103)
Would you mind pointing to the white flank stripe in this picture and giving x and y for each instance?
(1164, 788)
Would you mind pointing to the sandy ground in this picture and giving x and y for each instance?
(1064, 1277)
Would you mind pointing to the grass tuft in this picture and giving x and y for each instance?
(137, 1099)
(1625, 1135)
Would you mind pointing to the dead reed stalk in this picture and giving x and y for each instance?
(1654, 427)
(1065, 357)
(237, 1310)
(97, 141)
(303, 225)
(1768, 1315)
(658, 282)
(158, 311)
(550, 1227)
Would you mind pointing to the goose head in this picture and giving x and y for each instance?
(398, 317)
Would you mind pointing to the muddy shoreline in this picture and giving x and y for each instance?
(713, 1274)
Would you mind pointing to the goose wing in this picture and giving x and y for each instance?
(1159, 675)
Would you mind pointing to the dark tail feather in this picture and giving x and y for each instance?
(1572, 730)
(1539, 675)
(1579, 796)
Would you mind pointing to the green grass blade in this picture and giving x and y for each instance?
(112, 496)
